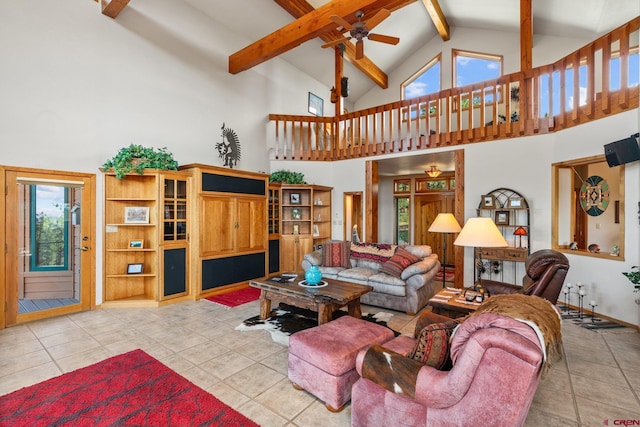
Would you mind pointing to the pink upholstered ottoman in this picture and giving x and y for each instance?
(322, 358)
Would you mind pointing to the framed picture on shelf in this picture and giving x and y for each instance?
(135, 268)
(515, 203)
(488, 201)
(502, 217)
(296, 213)
(136, 215)
(136, 243)
(316, 230)
(294, 198)
(296, 229)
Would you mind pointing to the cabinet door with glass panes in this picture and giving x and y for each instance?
(175, 235)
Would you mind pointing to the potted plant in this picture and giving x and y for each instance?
(136, 158)
(634, 277)
(287, 177)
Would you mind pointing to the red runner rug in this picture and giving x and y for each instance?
(132, 389)
(235, 298)
(449, 277)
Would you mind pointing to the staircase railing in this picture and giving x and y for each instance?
(577, 89)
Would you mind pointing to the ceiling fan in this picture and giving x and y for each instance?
(360, 30)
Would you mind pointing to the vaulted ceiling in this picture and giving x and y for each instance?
(295, 30)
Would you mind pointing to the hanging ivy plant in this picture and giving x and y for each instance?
(287, 177)
(136, 158)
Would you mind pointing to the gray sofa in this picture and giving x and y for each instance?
(409, 293)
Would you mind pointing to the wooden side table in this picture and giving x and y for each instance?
(450, 302)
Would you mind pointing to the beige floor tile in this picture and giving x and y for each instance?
(226, 364)
(557, 403)
(607, 393)
(538, 418)
(80, 360)
(278, 362)
(261, 415)
(228, 394)
(285, 400)
(27, 377)
(21, 362)
(254, 380)
(317, 415)
(200, 353)
(595, 414)
(78, 345)
(259, 350)
(200, 377)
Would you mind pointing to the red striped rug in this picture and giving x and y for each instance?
(132, 389)
(235, 298)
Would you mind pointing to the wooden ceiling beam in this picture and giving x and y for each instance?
(438, 18)
(113, 8)
(299, 8)
(307, 27)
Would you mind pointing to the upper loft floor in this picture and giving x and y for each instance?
(595, 81)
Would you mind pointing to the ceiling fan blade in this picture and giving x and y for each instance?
(336, 42)
(383, 39)
(359, 49)
(341, 22)
(377, 18)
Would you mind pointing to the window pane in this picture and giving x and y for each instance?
(402, 220)
(425, 83)
(472, 69)
(49, 227)
(402, 186)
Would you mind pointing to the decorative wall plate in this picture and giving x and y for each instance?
(594, 195)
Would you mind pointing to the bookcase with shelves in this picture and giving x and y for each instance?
(510, 211)
(305, 222)
(135, 262)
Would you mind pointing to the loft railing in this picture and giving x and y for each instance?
(590, 83)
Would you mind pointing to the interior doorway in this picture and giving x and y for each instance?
(353, 216)
(49, 264)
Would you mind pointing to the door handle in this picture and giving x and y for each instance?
(84, 248)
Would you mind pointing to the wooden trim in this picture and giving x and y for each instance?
(113, 8)
(371, 191)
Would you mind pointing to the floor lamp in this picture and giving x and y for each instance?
(480, 232)
(445, 223)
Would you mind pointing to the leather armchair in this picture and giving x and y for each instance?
(545, 269)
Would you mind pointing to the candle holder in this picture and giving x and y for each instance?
(581, 294)
(593, 308)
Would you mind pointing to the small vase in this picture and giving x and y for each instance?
(313, 275)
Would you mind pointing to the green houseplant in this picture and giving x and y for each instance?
(136, 158)
(287, 177)
(634, 277)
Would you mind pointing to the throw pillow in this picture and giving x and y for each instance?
(372, 252)
(432, 345)
(398, 262)
(335, 253)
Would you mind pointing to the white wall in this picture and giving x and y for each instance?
(76, 86)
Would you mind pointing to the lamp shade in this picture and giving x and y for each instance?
(445, 223)
(520, 231)
(480, 232)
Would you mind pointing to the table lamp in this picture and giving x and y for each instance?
(520, 231)
(445, 223)
(480, 232)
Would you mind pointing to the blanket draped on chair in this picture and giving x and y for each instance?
(531, 310)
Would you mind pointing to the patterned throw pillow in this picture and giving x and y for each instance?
(432, 346)
(372, 252)
(398, 262)
(335, 253)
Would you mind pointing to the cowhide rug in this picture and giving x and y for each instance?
(286, 320)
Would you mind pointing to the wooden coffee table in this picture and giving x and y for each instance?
(450, 302)
(324, 300)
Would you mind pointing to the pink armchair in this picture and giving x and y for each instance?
(496, 369)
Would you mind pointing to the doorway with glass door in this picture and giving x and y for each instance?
(49, 240)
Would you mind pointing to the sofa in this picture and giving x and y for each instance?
(402, 276)
(496, 358)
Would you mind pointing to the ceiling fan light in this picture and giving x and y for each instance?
(433, 172)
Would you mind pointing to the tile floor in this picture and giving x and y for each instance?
(597, 380)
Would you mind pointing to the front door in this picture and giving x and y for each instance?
(49, 260)
(427, 208)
